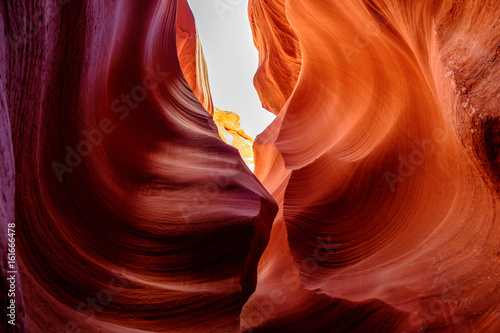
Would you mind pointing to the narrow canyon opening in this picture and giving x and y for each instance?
(223, 30)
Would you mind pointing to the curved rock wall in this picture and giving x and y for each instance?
(383, 161)
(132, 214)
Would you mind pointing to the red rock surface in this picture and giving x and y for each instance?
(159, 227)
(380, 171)
(279, 53)
(386, 181)
(191, 58)
(10, 283)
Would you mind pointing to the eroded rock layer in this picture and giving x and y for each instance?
(384, 162)
(132, 214)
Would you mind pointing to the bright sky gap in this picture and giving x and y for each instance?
(231, 59)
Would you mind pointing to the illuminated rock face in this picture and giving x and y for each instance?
(132, 215)
(384, 162)
(279, 53)
(228, 124)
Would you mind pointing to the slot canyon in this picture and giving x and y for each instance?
(132, 203)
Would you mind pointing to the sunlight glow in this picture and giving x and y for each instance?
(232, 60)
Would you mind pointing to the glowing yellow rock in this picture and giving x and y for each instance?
(228, 124)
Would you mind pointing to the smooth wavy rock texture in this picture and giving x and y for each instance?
(132, 214)
(375, 199)
(9, 281)
(384, 162)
